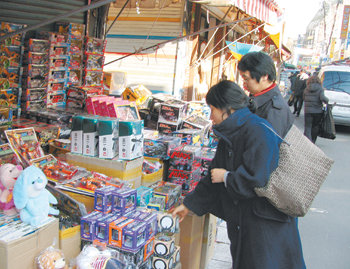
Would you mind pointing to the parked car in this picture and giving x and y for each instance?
(336, 81)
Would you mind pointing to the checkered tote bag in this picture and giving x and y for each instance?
(302, 168)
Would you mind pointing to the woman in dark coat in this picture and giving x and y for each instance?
(261, 236)
(313, 102)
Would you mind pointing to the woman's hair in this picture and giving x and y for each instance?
(227, 95)
(259, 64)
(313, 79)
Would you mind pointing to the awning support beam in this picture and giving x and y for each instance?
(178, 38)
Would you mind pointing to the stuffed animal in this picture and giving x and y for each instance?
(51, 258)
(92, 258)
(31, 197)
(8, 176)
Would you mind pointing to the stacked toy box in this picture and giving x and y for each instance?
(11, 52)
(94, 62)
(36, 70)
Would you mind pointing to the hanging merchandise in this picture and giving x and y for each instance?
(94, 62)
(11, 54)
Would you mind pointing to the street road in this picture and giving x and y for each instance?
(325, 230)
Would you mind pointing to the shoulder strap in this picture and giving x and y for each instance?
(272, 130)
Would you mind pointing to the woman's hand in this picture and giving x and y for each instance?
(181, 211)
(218, 175)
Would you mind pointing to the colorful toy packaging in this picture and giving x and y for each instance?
(171, 192)
(140, 94)
(167, 128)
(160, 147)
(88, 223)
(103, 199)
(102, 227)
(172, 111)
(124, 200)
(189, 136)
(134, 235)
(8, 155)
(25, 144)
(207, 155)
(183, 157)
(55, 170)
(144, 195)
(116, 231)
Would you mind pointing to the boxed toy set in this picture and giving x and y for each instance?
(130, 139)
(108, 135)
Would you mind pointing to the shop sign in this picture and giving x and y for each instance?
(331, 53)
(345, 23)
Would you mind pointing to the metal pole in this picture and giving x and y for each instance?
(178, 38)
(62, 16)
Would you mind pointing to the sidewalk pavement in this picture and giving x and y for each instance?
(222, 256)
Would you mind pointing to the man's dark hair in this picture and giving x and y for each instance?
(227, 95)
(258, 64)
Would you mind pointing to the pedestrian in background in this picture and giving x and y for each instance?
(261, 236)
(314, 99)
(292, 79)
(259, 74)
(298, 91)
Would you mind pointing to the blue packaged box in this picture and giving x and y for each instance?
(87, 224)
(124, 199)
(134, 235)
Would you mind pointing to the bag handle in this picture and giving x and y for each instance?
(272, 130)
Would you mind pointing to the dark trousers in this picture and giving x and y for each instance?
(298, 104)
(312, 125)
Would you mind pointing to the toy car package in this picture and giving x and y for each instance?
(94, 62)
(95, 45)
(172, 111)
(93, 78)
(25, 144)
(55, 170)
(38, 45)
(7, 155)
(167, 128)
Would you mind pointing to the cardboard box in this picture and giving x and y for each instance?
(191, 241)
(149, 179)
(208, 242)
(130, 171)
(70, 242)
(21, 253)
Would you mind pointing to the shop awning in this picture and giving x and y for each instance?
(264, 10)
